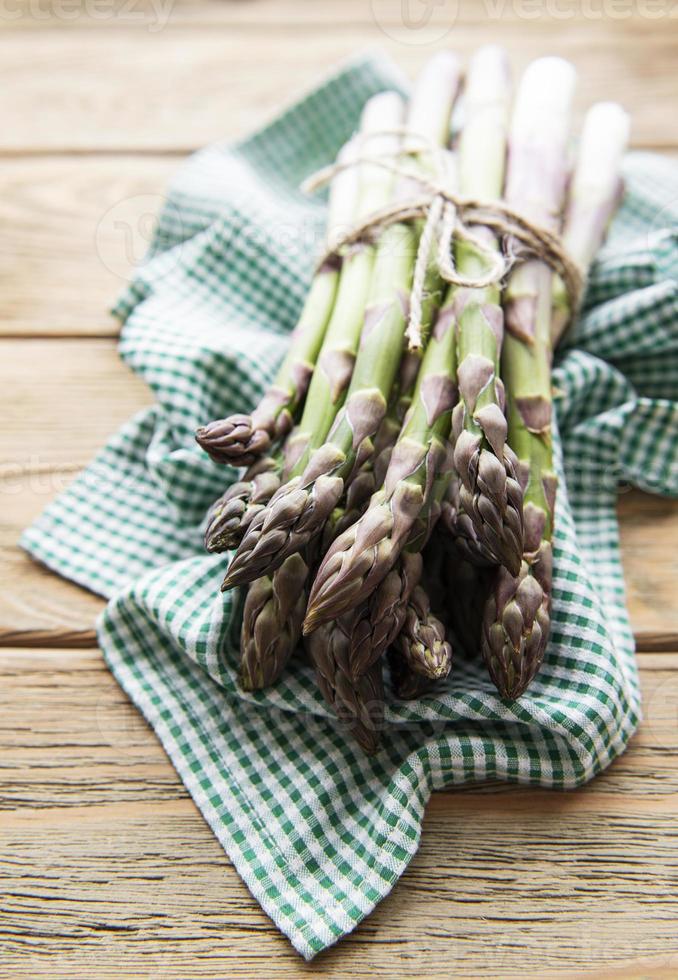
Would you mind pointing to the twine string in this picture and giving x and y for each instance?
(449, 217)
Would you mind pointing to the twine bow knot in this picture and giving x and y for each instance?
(449, 217)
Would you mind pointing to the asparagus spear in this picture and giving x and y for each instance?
(379, 620)
(298, 510)
(359, 703)
(421, 643)
(347, 652)
(230, 515)
(363, 555)
(240, 439)
(516, 621)
(271, 626)
(489, 492)
(594, 192)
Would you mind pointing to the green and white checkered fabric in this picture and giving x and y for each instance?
(319, 832)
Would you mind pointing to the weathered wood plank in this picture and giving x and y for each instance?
(65, 397)
(73, 228)
(106, 860)
(62, 400)
(649, 538)
(270, 15)
(194, 84)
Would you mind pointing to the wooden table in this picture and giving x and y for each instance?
(108, 869)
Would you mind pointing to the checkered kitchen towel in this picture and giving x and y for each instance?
(319, 832)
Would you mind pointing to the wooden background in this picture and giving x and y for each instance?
(107, 868)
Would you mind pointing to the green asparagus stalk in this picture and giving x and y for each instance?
(240, 439)
(516, 622)
(363, 555)
(299, 510)
(271, 627)
(593, 195)
(327, 390)
(421, 642)
(489, 490)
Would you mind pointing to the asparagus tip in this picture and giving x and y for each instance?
(311, 623)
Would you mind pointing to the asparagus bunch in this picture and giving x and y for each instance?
(414, 499)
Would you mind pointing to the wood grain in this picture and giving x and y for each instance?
(73, 228)
(62, 400)
(106, 861)
(193, 84)
(308, 15)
